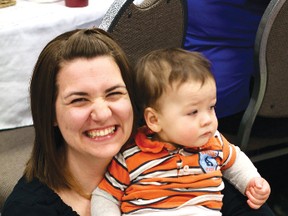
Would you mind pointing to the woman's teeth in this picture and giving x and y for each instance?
(101, 133)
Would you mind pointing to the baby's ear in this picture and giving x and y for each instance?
(152, 120)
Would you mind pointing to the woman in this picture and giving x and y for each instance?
(83, 113)
(80, 100)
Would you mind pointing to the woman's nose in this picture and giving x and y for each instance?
(100, 111)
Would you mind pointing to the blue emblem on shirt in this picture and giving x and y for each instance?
(207, 161)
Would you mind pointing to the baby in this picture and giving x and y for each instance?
(176, 163)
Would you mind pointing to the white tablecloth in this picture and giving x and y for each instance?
(24, 31)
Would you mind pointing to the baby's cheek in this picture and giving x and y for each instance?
(189, 135)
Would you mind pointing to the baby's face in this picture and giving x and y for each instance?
(187, 113)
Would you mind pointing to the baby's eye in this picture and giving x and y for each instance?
(212, 107)
(194, 112)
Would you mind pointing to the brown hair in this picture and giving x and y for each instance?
(48, 159)
(161, 68)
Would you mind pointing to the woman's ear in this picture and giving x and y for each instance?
(55, 123)
(152, 120)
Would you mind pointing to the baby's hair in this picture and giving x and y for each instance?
(159, 69)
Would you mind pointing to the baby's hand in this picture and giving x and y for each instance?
(257, 191)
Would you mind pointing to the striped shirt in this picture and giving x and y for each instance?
(157, 175)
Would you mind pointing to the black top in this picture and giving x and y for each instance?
(34, 199)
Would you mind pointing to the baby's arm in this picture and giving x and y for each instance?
(102, 203)
(106, 198)
(241, 172)
(257, 191)
(241, 175)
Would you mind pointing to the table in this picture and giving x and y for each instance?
(24, 31)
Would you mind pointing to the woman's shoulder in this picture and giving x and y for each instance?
(34, 198)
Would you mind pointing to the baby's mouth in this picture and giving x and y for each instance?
(101, 133)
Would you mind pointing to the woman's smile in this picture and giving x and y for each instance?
(98, 133)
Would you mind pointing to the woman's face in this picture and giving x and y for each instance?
(93, 108)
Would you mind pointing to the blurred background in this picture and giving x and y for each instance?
(275, 171)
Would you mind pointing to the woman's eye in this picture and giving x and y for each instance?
(78, 100)
(116, 94)
(212, 107)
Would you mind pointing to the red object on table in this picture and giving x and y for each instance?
(76, 3)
